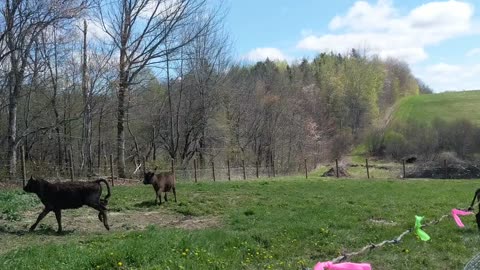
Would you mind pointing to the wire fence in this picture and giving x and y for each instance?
(195, 171)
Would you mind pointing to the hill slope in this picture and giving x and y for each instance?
(448, 106)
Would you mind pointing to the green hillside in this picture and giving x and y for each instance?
(448, 106)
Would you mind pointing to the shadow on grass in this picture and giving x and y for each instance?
(40, 231)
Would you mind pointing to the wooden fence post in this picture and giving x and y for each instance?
(306, 171)
(404, 174)
(105, 165)
(111, 169)
(244, 174)
(228, 169)
(256, 167)
(336, 166)
(273, 165)
(445, 168)
(144, 165)
(368, 172)
(195, 169)
(24, 170)
(70, 157)
(213, 171)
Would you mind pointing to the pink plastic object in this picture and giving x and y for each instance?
(342, 266)
(456, 213)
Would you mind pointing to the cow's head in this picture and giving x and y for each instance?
(33, 185)
(148, 177)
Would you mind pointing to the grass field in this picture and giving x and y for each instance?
(285, 223)
(448, 106)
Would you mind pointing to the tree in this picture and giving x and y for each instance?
(23, 22)
(138, 30)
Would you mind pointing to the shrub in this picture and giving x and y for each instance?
(396, 145)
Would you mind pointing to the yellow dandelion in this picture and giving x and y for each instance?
(120, 264)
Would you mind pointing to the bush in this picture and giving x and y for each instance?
(375, 142)
(396, 145)
(341, 143)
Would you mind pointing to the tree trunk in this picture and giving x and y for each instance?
(121, 116)
(12, 135)
(87, 117)
(122, 89)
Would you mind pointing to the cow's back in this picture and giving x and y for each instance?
(71, 194)
(166, 181)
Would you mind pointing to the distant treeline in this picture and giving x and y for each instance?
(267, 111)
(428, 141)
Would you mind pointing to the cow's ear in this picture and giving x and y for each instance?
(31, 178)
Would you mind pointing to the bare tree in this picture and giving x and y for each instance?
(138, 29)
(23, 23)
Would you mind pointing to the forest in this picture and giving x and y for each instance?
(155, 81)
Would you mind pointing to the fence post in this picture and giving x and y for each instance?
(195, 169)
(228, 169)
(105, 164)
(368, 172)
(24, 171)
(273, 165)
(336, 166)
(256, 167)
(70, 157)
(213, 171)
(111, 168)
(403, 163)
(244, 174)
(144, 165)
(306, 171)
(445, 168)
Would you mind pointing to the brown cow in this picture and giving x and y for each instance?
(162, 182)
(69, 195)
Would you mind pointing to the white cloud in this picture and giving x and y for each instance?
(443, 76)
(473, 52)
(260, 54)
(381, 29)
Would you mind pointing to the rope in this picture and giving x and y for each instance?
(392, 241)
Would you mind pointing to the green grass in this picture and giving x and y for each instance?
(277, 224)
(447, 106)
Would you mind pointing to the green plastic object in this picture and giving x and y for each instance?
(418, 229)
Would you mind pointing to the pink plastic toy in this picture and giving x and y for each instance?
(456, 213)
(342, 266)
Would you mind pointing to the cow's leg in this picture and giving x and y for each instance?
(159, 196)
(174, 194)
(102, 215)
(40, 217)
(166, 196)
(58, 215)
(105, 220)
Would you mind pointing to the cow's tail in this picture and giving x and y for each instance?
(474, 197)
(104, 201)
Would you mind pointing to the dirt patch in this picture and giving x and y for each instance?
(86, 220)
(452, 171)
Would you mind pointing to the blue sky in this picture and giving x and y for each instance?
(439, 39)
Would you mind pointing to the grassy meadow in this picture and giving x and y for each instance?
(286, 223)
(447, 106)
